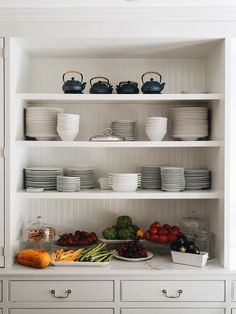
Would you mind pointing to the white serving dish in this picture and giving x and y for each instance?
(80, 264)
(117, 241)
(150, 255)
(198, 260)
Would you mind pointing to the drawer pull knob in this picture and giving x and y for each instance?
(67, 292)
(179, 292)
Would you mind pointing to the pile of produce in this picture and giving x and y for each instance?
(132, 249)
(183, 245)
(97, 253)
(161, 234)
(123, 230)
(79, 238)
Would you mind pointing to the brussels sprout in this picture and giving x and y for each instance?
(123, 222)
(110, 233)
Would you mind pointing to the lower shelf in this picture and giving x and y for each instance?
(109, 194)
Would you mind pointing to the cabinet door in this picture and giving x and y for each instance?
(63, 311)
(173, 310)
(2, 97)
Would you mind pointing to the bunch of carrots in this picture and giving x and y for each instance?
(65, 256)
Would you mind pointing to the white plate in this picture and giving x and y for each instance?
(150, 255)
(80, 264)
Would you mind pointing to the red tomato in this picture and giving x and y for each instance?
(147, 235)
(175, 228)
(172, 237)
(155, 224)
(155, 237)
(153, 230)
(163, 239)
(175, 232)
(166, 226)
(163, 231)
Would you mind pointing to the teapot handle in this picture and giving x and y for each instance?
(151, 73)
(128, 82)
(81, 75)
(102, 77)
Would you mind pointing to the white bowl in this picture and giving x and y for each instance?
(67, 135)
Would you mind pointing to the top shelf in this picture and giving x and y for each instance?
(34, 98)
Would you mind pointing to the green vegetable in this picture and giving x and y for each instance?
(96, 253)
(110, 233)
(123, 222)
(135, 228)
(126, 233)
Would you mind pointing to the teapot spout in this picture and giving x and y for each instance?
(162, 85)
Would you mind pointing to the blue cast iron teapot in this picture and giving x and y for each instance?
(73, 86)
(151, 86)
(100, 87)
(127, 87)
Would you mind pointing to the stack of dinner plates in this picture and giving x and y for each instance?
(151, 177)
(86, 175)
(125, 128)
(197, 179)
(172, 179)
(42, 177)
(124, 182)
(190, 123)
(41, 122)
(68, 184)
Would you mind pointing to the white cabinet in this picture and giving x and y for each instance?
(55, 291)
(63, 311)
(172, 291)
(173, 310)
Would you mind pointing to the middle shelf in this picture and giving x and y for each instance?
(109, 194)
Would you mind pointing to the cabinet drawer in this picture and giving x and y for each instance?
(61, 311)
(171, 311)
(54, 291)
(142, 291)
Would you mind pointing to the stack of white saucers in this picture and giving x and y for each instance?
(125, 128)
(68, 126)
(172, 179)
(41, 122)
(42, 177)
(151, 177)
(124, 182)
(68, 184)
(190, 123)
(87, 176)
(156, 128)
(197, 179)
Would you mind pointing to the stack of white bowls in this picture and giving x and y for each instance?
(156, 128)
(68, 184)
(124, 182)
(190, 123)
(172, 179)
(41, 122)
(68, 126)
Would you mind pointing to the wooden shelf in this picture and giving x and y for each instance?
(109, 194)
(131, 144)
(34, 98)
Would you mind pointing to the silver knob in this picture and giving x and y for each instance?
(67, 292)
(179, 292)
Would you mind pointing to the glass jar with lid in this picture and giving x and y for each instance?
(193, 224)
(38, 232)
(205, 241)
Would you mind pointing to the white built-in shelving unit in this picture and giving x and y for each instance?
(36, 68)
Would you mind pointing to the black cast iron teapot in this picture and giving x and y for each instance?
(127, 87)
(100, 87)
(151, 86)
(73, 86)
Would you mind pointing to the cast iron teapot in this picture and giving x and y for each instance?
(127, 87)
(100, 87)
(73, 86)
(152, 87)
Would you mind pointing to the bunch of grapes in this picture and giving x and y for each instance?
(132, 249)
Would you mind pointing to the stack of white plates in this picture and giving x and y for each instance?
(124, 182)
(41, 122)
(42, 177)
(190, 123)
(151, 177)
(156, 128)
(125, 128)
(68, 126)
(87, 176)
(172, 179)
(196, 179)
(68, 184)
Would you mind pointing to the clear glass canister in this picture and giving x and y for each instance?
(205, 241)
(38, 232)
(193, 225)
